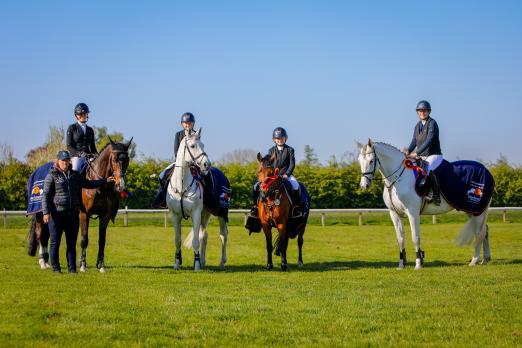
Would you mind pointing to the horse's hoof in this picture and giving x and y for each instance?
(177, 265)
(83, 269)
(269, 266)
(474, 261)
(418, 264)
(102, 270)
(222, 265)
(300, 264)
(284, 267)
(42, 264)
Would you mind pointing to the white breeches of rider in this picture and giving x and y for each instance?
(433, 160)
(293, 181)
(77, 163)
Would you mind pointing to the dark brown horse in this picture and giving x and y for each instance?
(274, 209)
(103, 202)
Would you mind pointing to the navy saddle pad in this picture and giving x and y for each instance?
(216, 193)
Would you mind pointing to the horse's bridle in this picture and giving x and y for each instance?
(372, 172)
(122, 174)
(194, 159)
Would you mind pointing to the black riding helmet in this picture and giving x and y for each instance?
(423, 105)
(81, 108)
(188, 117)
(278, 133)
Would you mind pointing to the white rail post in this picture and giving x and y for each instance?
(434, 219)
(245, 219)
(360, 219)
(323, 219)
(166, 219)
(503, 215)
(126, 217)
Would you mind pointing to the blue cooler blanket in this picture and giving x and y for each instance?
(466, 185)
(296, 225)
(35, 188)
(216, 194)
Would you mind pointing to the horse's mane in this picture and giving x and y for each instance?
(387, 145)
(115, 146)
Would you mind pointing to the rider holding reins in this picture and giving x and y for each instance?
(285, 161)
(80, 138)
(187, 123)
(426, 145)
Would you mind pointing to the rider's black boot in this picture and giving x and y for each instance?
(297, 211)
(435, 195)
(255, 197)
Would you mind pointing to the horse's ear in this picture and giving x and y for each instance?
(110, 140)
(259, 157)
(359, 145)
(129, 142)
(370, 143)
(198, 133)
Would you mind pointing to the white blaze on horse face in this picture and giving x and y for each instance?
(364, 162)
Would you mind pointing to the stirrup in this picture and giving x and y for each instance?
(296, 212)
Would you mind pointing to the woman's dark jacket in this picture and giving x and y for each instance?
(79, 143)
(426, 139)
(62, 191)
(285, 159)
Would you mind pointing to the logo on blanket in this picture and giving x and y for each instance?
(475, 192)
(224, 199)
(36, 192)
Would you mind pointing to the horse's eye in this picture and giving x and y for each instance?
(192, 146)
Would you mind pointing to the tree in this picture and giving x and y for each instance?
(47, 152)
(6, 154)
(310, 157)
(239, 156)
(102, 138)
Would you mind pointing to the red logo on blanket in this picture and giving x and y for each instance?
(475, 192)
(36, 190)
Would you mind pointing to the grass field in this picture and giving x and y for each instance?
(348, 294)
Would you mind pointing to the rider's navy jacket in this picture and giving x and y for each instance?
(61, 191)
(426, 138)
(285, 159)
(79, 143)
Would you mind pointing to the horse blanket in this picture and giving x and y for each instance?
(216, 195)
(35, 188)
(466, 185)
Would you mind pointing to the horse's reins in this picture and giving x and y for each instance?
(270, 187)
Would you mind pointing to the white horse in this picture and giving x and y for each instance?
(402, 200)
(185, 199)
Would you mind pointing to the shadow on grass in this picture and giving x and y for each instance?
(326, 266)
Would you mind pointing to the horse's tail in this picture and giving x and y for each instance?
(187, 243)
(474, 230)
(31, 237)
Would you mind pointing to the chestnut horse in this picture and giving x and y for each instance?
(274, 209)
(103, 202)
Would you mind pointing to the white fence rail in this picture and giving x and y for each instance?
(125, 213)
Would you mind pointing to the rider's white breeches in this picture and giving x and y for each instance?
(433, 160)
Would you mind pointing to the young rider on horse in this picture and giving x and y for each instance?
(80, 137)
(426, 145)
(187, 123)
(61, 202)
(285, 161)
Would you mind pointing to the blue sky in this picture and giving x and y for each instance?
(330, 72)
